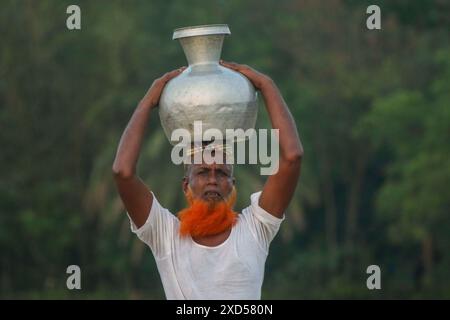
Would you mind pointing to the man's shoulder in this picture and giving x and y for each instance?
(162, 210)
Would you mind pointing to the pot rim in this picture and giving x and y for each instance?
(201, 30)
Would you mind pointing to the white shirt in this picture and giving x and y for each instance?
(232, 270)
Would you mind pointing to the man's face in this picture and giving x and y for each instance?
(209, 182)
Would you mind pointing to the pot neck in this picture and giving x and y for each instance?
(205, 49)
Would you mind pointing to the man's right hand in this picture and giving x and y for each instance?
(136, 196)
(151, 98)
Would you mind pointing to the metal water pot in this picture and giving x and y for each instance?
(221, 98)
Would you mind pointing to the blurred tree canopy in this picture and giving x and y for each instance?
(372, 108)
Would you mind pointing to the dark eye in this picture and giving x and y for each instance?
(222, 174)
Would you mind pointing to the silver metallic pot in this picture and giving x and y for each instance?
(221, 98)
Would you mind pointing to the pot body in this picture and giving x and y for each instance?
(219, 97)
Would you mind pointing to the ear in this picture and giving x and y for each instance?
(184, 184)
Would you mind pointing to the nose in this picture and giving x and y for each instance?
(212, 177)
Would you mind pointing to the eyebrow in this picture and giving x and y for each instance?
(209, 169)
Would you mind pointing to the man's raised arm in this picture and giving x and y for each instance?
(135, 195)
(279, 188)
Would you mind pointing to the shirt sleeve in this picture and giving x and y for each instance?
(263, 225)
(157, 231)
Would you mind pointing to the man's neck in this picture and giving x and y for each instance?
(214, 240)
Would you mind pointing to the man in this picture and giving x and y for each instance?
(209, 252)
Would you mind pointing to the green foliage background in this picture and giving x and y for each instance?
(372, 108)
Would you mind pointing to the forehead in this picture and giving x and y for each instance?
(215, 166)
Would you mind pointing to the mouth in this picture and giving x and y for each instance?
(212, 195)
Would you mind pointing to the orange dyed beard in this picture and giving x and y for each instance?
(203, 218)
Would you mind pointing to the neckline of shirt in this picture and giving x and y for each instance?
(214, 247)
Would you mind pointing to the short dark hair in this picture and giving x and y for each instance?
(187, 168)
